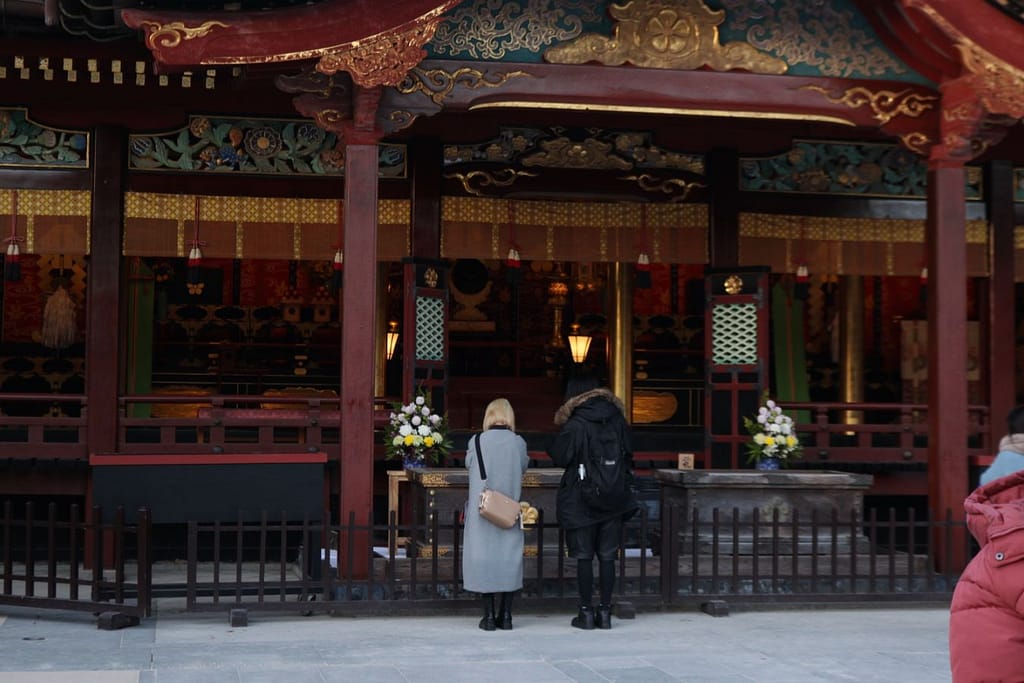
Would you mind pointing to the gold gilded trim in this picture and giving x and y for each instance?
(438, 84)
(501, 178)
(171, 35)
(669, 186)
(665, 34)
(885, 104)
(676, 111)
(917, 142)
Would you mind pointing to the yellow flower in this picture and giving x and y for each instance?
(769, 441)
(409, 440)
(428, 441)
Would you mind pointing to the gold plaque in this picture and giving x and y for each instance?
(733, 284)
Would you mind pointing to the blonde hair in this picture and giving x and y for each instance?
(499, 412)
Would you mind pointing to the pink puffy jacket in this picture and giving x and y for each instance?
(986, 623)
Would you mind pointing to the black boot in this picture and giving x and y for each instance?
(603, 617)
(504, 617)
(487, 623)
(585, 619)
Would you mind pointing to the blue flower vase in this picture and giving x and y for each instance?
(769, 464)
(410, 462)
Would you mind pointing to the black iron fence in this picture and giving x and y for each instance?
(304, 566)
(74, 562)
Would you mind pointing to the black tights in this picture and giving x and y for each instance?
(585, 580)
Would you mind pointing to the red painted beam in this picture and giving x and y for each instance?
(293, 34)
(207, 459)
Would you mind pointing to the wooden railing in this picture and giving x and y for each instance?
(877, 432)
(884, 433)
(32, 431)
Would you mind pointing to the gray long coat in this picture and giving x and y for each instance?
(492, 559)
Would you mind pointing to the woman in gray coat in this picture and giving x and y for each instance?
(492, 560)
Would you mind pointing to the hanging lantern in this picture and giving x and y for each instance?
(643, 271)
(803, 283)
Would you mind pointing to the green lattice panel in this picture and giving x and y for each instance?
(734, 340)
(429, 329)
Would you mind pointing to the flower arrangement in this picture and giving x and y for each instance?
(416, 433)
(774, 436)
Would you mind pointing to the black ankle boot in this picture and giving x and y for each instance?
(504, 616)
(603, 617)
(487, 623)
(585, 619)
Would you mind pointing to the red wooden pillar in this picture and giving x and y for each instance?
(358, 314)
(947, 350)
(104, 318)
(999, 314)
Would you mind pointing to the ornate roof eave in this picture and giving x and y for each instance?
(894, 108)
(376, 43)
(972, 49)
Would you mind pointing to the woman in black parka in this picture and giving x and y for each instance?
(590, 415)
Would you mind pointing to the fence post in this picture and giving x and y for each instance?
(144, 575)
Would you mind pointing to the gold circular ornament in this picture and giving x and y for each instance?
(733, 284)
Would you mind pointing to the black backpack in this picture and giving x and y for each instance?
(605, 475)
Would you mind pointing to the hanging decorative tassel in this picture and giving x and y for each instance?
(803, 283)
(195, 260)
(643, 271)
(922, 292)
(59, 327)
(338, 266)
(12, 257)
(513, 267)
(643, 262)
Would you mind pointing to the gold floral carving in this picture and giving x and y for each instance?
(438, 83)
(474, 181)
(670, 186)
(171, 35)
(885, 104)
(384, 59)
(665, 34)
(565, 153)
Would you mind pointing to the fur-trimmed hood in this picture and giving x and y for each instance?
(567, 408)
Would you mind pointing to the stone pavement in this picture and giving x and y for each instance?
(859, 644)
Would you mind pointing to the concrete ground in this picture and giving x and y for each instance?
(861, 644)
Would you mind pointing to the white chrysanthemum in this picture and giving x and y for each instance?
(786, 429)
(397, 441)
(770, 404)
(409, 409)
(759, 439)
(423, 430)
(436, 436)
(405, 430)
(416, 420)
(435, 419)
(420, 400)
(425, 410)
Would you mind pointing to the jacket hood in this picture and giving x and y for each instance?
(996, 507)
(592, 411)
